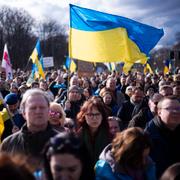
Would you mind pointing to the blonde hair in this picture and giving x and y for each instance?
(60, 109)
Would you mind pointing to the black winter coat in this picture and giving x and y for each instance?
(166, 144)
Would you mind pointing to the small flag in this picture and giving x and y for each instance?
(67, 63)
(36, 58)
(6, 63)
(30, 79)
(70, 65)
(111, 66)
(127, 67)
(147, 68)
(121, 64)
(167, 66)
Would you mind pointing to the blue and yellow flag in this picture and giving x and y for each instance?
(36, 58)
(100, 37)
(70, 65)
(121, 66)
(167, 66)
(33, 76)
(67, 63)
(147, 68)
(111, 66)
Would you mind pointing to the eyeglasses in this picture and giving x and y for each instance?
(172, 109)
(54, 113)
(93, 114)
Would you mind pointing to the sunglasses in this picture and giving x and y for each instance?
(54, 113)
(113, 119)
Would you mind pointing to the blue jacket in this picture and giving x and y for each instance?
(104, 168)
(104, 171)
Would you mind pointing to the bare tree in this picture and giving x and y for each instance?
(54, 40)
(16, 30)
(177, 36)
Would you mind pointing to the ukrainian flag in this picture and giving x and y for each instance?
(111, 66)
(100, 37)
(70, 65)
(37, 60)
(147, 68)
(167, 66)
(121, 65)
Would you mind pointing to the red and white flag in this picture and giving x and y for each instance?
(6, 63)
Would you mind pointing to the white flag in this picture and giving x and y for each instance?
(6, 63)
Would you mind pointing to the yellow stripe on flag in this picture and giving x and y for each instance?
(72, 66)
(104, 46)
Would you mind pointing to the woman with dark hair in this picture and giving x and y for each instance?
(93, 127)
(109, 102)
(87, 93)
(114, 125)
(127, 159)
(64, 158)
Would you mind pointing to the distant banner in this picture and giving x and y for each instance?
(48, 62)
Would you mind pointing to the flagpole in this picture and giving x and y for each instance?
(27, 65)
(68, 78)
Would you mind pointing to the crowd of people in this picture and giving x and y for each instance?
(108, 126)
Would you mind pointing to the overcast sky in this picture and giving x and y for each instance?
(159, 13)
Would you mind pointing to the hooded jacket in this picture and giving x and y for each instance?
(105, 168)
